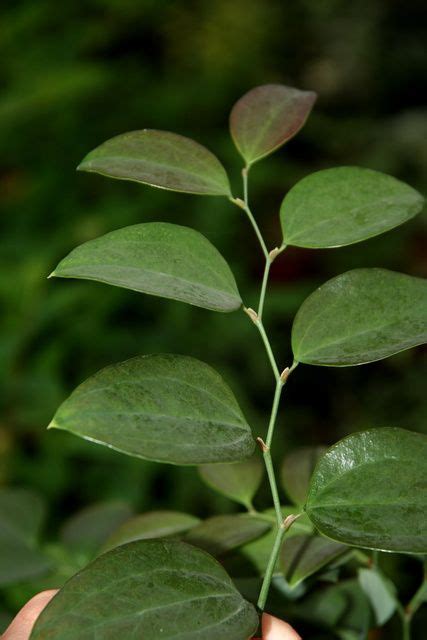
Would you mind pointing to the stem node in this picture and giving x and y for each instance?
(264, 448)
(252, 314)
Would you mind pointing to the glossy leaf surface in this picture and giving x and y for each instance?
(238, 481)
(303, 555)
(361, 316)
(369, 490)
(161, 407)
(150, 589)
(266, 117)
(220, 534)
(160, 259)
(155, 524)
(297, 469)
(160, 159)
(380, 592)
(344, 205)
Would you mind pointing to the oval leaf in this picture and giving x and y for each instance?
(361, 316)
(156, 524)
(221, 534)
(160, 159)
(297, 469)
(268, 116)
(87, 530)
(160, 407)
(161, 259)
(369, 490)
(239, 481)
(150, 589)
(301, 556)
(341, 206)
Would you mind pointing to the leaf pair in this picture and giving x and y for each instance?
(260, 122)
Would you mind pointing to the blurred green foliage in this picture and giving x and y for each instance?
(76, 73)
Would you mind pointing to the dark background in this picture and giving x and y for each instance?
(76, 73)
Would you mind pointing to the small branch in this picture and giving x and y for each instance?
(244, 204)
(282, 528)
(264, 287)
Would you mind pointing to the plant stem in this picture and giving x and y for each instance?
(417, 600)
(264, 287)
(244, 204)
(266, 341)
(281, 378)
(406, 627)
(262, 599)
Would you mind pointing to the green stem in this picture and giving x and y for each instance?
(244, 204)
(406, 628)
(418, 599)
(270, 567)
(264, 287)
(256, 317)
(268, 348)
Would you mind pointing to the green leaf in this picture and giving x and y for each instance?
(303, 555)
(342, 608)
(87, 530)
(361, 316)
(296, 471)
(161, 259)
(151, 589)
(239, 481)
(380, 592)
(160, 159)
(160, 407)
(369, 490)
(266, 117)
(156, 524)
(21, 515)
(341, 206)
(221, 534)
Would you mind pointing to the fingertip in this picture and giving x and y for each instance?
(20, 628)
(275, 629)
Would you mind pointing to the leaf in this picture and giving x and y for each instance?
(268, 116)
(303, 555)
(151, 589)
(369, 490)
(238, 481)
(160, 407)
(220, 534)
(258, 552)
(161, 259)
(380, 592)
(344, 205)
(87, 530)
(342, 608)
(296, 471)
(21, 515)
(361, 316)
(160, 159)
(156, 524)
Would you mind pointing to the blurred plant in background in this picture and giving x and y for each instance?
(75, 75)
